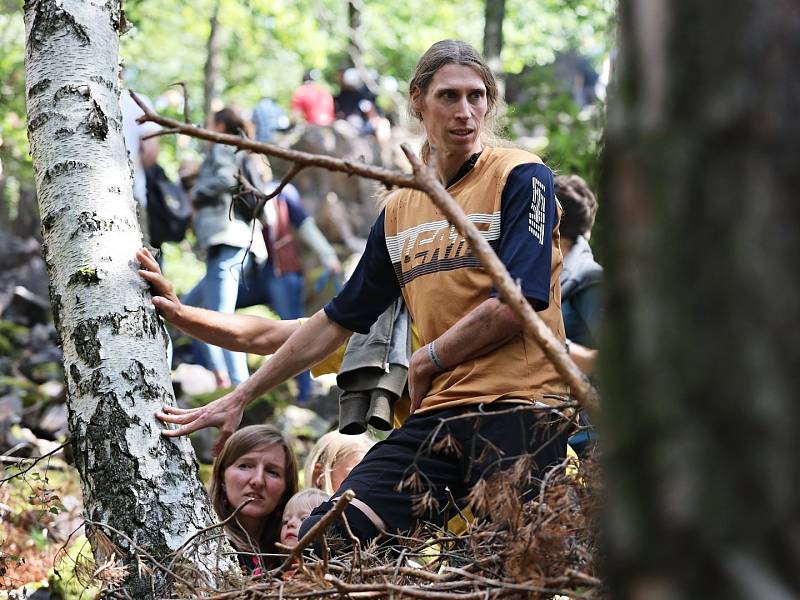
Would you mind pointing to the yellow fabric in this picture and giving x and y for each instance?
(331, 363)
(442, 282)
(458, 524)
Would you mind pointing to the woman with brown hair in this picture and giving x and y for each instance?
(256, 473)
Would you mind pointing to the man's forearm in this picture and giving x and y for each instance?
(487, 327)
(308, 345)
(240, 333)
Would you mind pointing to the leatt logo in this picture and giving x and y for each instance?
(437, 246)
(536, 216)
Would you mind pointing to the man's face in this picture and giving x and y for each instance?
(453, 110)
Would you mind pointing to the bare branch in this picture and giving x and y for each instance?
(36, 460)
(186, 118)
(387, 176)
(425, 179)
(159, 133)
(296, 168)
(317, 530)
(139, 550)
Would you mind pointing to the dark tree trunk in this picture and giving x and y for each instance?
(494, 14)
(354, 8)
(211, 69)
(703, 168)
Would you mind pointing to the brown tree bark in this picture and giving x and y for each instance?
(700, 372)
(211, 68)
(494, 13)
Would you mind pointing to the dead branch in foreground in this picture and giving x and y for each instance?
(425, 179)
(526, 542)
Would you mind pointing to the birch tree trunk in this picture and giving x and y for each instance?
(702, 256)
(135, 481)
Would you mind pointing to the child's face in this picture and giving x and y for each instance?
(293, 516)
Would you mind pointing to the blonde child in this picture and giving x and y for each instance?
(298, 508)
(333, 457)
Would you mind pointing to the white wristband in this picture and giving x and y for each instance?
(435, 357)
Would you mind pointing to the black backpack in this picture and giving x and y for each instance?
(246, 204)
(169, 211)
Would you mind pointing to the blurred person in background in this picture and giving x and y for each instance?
(581, 277)
(279, 282)
(312, 102)
(224, 234)
(581, 286)
(268, 118)
(143, 153)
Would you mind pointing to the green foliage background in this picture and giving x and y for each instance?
(268, 43)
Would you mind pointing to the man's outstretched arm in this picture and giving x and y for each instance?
(240, 333)
(316, 339)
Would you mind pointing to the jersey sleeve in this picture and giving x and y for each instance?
(371, 289)
(528, 217)
(297, 214)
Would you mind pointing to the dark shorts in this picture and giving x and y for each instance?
(437, 457)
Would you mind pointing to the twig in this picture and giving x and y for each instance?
(317, 530)
(200, 532)
(407, 571)
(248, 188)
(186, 118)
(160, 132)
(35, 462)
(296, 168)
(413, 591)
(141, 550)
(584, 578)
(356, 547)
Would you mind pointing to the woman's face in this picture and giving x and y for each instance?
(261, 475)
(453, 109)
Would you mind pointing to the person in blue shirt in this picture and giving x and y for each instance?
(581, 277)
(581, 286)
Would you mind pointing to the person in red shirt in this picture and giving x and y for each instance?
(312, 101)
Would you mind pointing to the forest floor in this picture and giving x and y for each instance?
(545, 548)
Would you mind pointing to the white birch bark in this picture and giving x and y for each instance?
(133, 479)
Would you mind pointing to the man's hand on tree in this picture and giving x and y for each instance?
(224, 413)
(164, 298)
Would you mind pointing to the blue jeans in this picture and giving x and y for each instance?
(217, 290)
(284, 294)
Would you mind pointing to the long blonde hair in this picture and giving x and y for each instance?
(330, 449)
(240, 443)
